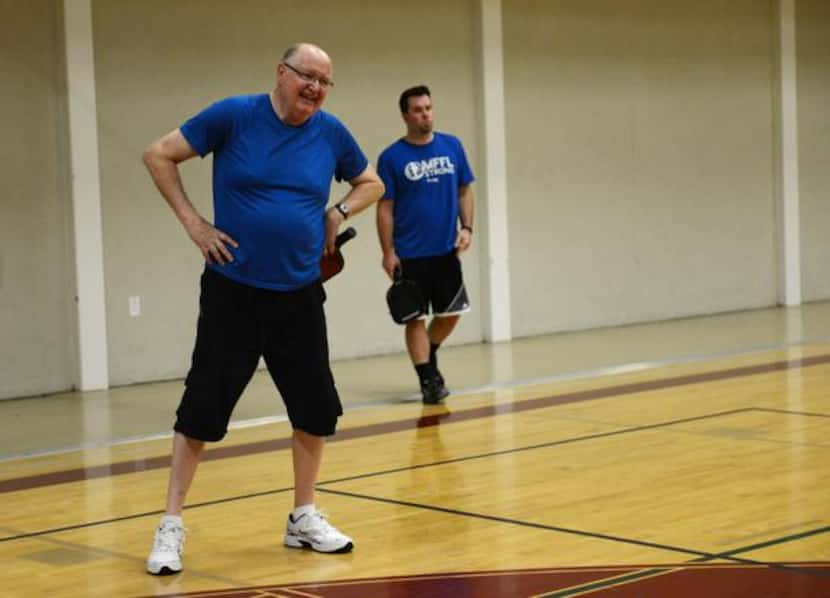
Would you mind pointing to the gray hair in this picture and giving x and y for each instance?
(291, 50)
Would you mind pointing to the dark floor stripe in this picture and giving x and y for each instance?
(157, 513)
(542, 445)
(781, 540)
(611, 581)
(676, 581)
(553, 528)
(791, 412)
(680, 580)
(381, 473)
(125, 467)
(776, 542)
(702, 558)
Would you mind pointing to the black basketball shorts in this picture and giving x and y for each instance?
(441, 283)
(238, 324)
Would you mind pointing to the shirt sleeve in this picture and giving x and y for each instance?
(211, 128)
(385, 172)
(351, 161)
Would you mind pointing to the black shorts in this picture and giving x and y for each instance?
(237, 325)
(440, 281)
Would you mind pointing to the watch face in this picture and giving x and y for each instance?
(343, 208)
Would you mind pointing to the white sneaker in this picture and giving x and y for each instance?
(313, 531)
(166, 556)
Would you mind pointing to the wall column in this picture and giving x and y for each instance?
(86, 196)
(789, 225)
(493, 185)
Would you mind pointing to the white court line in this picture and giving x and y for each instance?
(97, 444)
(577, 375)
(612, 370)
(633, 367)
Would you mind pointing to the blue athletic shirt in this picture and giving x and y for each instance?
(423, 180)
(271, 184)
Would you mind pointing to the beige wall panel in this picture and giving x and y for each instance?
(158, 62)
(813, 69)
(640, 171)
(37, 327)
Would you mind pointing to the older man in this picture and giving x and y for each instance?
(274, 156)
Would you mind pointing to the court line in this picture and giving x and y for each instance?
(139, 562)
(376, 474)
(610, 582)
(542, 526)
(156, 513)
(628, 368)
(370, 474)
(792, 412)
(644, 573)
(776, 541)
(703, 556)
(139, 465)
(103, 444)
(364, 582)
(718, 556)
(552, 443)
(636, 576)
(601, 372)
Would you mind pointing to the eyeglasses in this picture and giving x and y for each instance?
(309, 78)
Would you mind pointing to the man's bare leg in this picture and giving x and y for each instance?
(440, 328)
(307, 528)
(417, 342)
(168, 543)
(307, 453)
(186, 453)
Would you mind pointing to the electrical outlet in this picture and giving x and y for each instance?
(135, 306)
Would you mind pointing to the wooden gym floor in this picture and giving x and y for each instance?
(684, 458)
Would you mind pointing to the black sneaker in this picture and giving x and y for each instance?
(439, 377)
(433, 391)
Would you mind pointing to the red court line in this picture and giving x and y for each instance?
(675, 580)
(139, 465)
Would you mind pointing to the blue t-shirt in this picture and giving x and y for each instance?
(271, 184)
(423, 180)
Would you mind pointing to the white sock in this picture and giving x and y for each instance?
(302, 510)
(174, 519)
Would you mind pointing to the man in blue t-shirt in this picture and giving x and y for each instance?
(274, 157)
(425, 220)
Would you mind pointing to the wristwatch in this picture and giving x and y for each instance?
(343, 209)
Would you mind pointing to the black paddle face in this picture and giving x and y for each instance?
(404, 300)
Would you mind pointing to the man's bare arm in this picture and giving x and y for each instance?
(385, 219)
(366, 189)
(466, 213)
(162, 158)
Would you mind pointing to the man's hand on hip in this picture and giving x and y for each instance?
(211, 241)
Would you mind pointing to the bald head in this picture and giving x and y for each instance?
(305, 50)
(304, 76)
